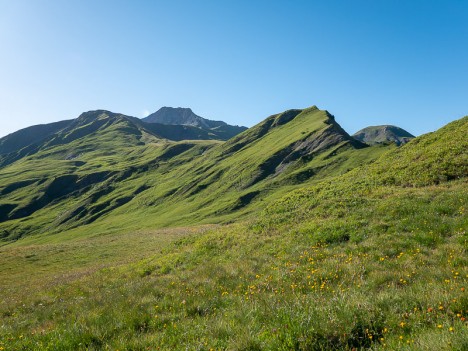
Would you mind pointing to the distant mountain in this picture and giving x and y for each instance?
(185, 116)
(180, 115)
(383, 134)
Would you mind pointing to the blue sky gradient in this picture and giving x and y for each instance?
(367, 62)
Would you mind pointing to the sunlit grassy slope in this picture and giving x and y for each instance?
(371, 258)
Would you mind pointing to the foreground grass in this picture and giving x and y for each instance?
(386, 272)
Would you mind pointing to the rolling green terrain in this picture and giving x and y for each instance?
(290, 236)
(112, 172)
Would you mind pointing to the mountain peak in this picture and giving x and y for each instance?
(185, 116)
(383, 134)
(166, 112)
(96, 114)
(180, 109)
(179, 115)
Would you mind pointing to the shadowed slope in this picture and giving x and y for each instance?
(31, 135)
(73, 174)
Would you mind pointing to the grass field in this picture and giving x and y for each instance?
(373, 259)
(390, 279)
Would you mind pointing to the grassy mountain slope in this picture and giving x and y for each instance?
(71, 178)
(373, 259)
(121, 172)
(265, 159)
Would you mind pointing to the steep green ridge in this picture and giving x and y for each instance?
(383, 134)
(429, 160)
(373, 259)
(109, 168)
(284, 150)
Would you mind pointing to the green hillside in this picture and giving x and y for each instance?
(290, 236)
(108, 168)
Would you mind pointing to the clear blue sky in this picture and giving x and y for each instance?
(367, 62)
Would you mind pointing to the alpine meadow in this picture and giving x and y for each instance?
(339, 226)
(291, 235)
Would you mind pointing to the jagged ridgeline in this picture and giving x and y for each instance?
(117, 172)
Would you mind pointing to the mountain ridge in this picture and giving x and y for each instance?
(180, 115)
(106, 164)
(106, 160)
(30, 140)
